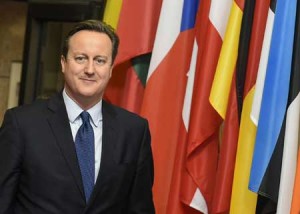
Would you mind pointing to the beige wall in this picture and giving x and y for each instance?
(12, 32)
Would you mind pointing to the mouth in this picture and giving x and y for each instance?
(87, 80)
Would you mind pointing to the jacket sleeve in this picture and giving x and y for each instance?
(141, 200)
(10, 162)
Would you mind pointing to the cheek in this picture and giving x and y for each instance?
(71, 75)
(74, 71)
(104, 74)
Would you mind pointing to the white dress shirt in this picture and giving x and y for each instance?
(75, 121)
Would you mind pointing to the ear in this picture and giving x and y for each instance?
(63, 63)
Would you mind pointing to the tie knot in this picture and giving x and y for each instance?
(85, 116)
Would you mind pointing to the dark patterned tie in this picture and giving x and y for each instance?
(84, 143)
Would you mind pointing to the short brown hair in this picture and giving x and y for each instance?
(93, 25)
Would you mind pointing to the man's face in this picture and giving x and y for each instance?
(88, 66)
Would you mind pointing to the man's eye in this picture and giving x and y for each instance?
(80, 59)
(100, 61)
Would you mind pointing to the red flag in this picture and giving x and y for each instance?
(203, 137)
(175, 204)
(136, 29)
(165, 90)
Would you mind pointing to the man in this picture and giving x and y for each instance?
(75, 153)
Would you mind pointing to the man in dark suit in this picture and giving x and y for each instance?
(75, 153)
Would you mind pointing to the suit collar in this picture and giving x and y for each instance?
(59, 124)
(74, 110)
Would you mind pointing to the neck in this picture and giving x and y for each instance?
(84, 102)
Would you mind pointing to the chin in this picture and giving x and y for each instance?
(89, 94)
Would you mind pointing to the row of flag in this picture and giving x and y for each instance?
(219, 82)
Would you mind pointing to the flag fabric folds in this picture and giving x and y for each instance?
(274, 100)
(165, 90)
(218, 81)
(263, 62)
(243, 51)
(112, 12)
(226, 65)
(182, 197)
(136, 24)
(198, 179)
(291, 139)
(224, 101)
(295, 206)
(180, 187)
(243, 200)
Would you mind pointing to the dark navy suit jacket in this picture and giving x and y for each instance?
(39, 171)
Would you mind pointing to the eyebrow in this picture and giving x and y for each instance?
(100, 56)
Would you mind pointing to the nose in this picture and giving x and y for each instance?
(89, 68)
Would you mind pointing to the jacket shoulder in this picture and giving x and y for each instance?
(124, 115)
(35, 109)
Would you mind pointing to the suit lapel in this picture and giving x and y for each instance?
(60, 126)
(109, 137)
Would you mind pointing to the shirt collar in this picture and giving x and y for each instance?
(74, 110)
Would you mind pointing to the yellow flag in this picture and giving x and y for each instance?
(112, 12)
(222, 81)
(242, 199)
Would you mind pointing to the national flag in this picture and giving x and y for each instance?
(126, 87)
(222, 96)
(136, 28)
(243, 200)
(220, 91)
(243, 51)
(295, 207)
(112, 12)
(203, 138)
(228, 147)
(267, 158)
(165, 90)
(111, 17)
(262, 69)
(175, 203)
(225, 169)
(291, 138)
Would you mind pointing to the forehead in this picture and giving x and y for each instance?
(91, 40)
